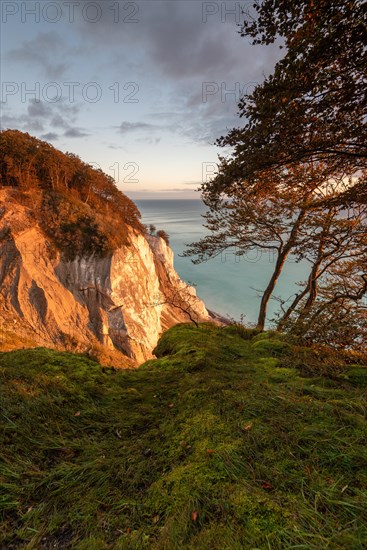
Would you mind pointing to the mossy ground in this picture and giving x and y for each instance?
(220, 443)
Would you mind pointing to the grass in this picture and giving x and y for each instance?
(226, 441)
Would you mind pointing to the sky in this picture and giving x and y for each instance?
(141, 89)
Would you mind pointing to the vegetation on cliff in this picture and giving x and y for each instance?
(79, 207)
(229, 440)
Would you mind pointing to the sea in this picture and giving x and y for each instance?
(228, 284)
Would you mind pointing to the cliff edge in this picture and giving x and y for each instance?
(118, 304)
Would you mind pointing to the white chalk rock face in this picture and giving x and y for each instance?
(122, 302)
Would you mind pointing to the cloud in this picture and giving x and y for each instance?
(38, 109)
(170, 52)
(200, 125)
(165, 115)
(41, 116)
(75, 133)
(175, 40)
(126, 127)
(58, 114)
(9, 121)
(131, 127)
(175, 53)
(51, 136)
(115, 147)
(42, 50)
(22, 122)
(150, 140)
(59, 121)
(55, 71)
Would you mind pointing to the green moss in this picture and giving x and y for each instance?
(274, 346)
(220, 442)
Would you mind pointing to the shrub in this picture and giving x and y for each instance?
(80, 208)
(163, 235)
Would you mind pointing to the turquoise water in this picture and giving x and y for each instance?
(227, 284)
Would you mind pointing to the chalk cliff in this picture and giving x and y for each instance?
(115, 306)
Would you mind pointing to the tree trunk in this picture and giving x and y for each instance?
(291, 308)
(269, 290)
(313, 286)
(312, 290)
(283, 255)
(312, 283)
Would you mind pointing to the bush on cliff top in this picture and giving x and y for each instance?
(219, 443)
(79, 207)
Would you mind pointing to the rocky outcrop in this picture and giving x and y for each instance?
(119, 304)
